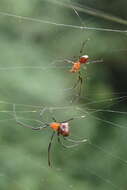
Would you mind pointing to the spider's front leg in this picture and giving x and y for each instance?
(44, 125)
(29, 126)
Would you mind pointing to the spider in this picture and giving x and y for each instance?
(60, 128)
(76, 66)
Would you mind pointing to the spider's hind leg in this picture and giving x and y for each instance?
(49, 148)
(79, 80)
(64, 145)
(78, 84)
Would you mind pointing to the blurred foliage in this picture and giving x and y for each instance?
(31, 77)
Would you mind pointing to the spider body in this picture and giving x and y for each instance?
(77, 65)
(64, 129)
(61, 128)
(55, 126)
(83, 59)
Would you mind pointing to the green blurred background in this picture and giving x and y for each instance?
(32, 76)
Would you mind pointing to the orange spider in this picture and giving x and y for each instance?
(59, 128)
(77, 65)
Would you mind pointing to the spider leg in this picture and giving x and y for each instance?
(69, 61)
(75, 141)
(49, 148)
(78, 117)
(79, 80)
(67, 120)
(42, 111)
(53, 118)
(83, 45)
(80, 84)
(25, 125)
(95, 61)
(66, 146)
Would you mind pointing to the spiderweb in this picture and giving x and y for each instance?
(35, 41)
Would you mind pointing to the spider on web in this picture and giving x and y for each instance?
(77, 63)
(59, 128)
(76, 66)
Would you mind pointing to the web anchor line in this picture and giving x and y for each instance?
(61, 24)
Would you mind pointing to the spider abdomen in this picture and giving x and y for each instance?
(64, 129)
(83, 59)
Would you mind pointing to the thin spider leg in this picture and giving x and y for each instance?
(41, 114)
(78, 80)
(53, 118)
(83, 45)
(68, 61)
(28, 126)
(72, 119)
(49, 148)
(25, 125)
(75, 141)
(95, 61)
(66, 146)
(52, 115)
(67, 120)
(42, 111)
(80, 84)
